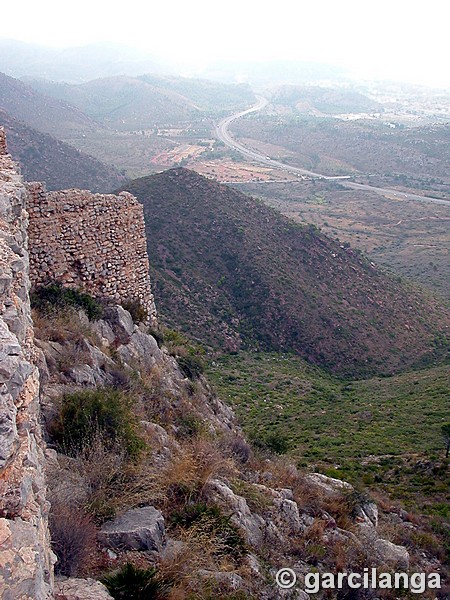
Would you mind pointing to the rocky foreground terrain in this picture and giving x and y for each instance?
(215, 518)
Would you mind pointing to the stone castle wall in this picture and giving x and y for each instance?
(95, 242)
(26, 561)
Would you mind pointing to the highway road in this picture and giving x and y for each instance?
(223, 134)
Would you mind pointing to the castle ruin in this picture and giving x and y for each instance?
(94, 242)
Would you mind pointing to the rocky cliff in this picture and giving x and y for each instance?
(26, 561)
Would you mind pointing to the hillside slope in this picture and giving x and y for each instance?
(42, 112)
(57, 164)
(229, 270)
(339, 147)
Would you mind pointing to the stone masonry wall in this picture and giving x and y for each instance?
(26, 561)
(95, 242)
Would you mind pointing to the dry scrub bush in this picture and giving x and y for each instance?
(187, 473)
(95, 480)
(127, 485)
(73, 535)
(315, 501)
(199, 550)
(69, 330)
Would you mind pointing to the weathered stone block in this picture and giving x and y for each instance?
(137, 529)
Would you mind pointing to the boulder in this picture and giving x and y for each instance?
(83, 375)
(141, 347)
(368, 512)
(121, 323)
(80, 589)
(290, 514)
(137, 529)
(329, 485)
(252, 525)
(104, 331)
(391, 554)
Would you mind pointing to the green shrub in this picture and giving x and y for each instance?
(189, 426)
(85, 414)
(173, 337)
(275, 442)
(138, 313)
(134, 583)
(191, 365)
(55, 296)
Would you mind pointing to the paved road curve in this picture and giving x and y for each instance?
(223, 134)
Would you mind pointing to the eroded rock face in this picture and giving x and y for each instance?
(26, 561)
(253, 526)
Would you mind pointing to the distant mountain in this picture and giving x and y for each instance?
(230, 271)
(129, 103)
(59, 165)
(208, 95)
(271, 73)
(42, 112)
(324, 99)
(75, 64)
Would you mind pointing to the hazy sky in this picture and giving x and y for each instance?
(407, 40)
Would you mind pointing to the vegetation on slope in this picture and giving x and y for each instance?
(322, 99)
(187, 445)
(314, 411)
(404, 235)
(229, 270)
(385, 434)
(336, 147)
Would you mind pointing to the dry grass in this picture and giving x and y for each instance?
(187, 473)
(104, 482)
(71, 332)
(198, 551)
(63, 326)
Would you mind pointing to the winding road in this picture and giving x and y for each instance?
(223, 134)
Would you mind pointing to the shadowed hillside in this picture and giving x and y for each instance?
(57, 164)
(231, 271)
